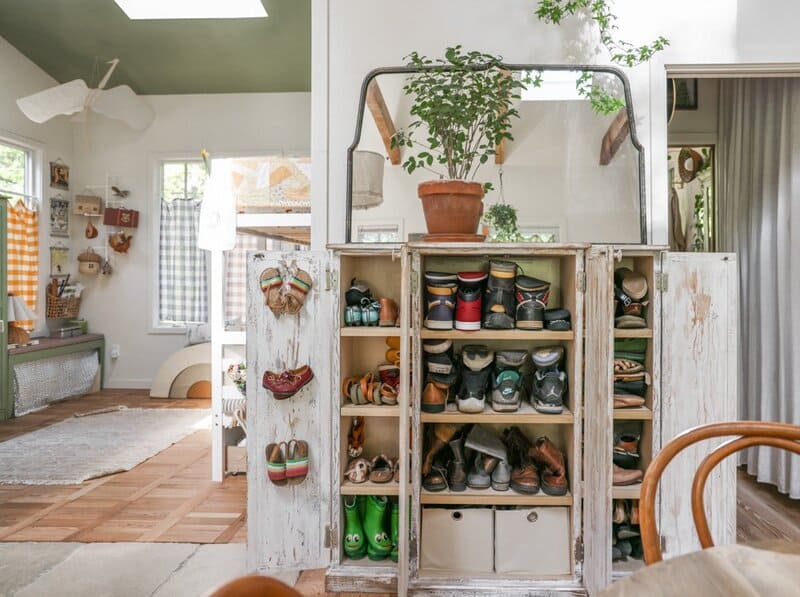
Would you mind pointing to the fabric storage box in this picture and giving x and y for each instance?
(457, 540)
(532, 541)
(119, 216)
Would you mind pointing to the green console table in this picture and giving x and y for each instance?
(46, 349)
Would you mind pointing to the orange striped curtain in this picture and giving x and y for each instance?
(23, 255)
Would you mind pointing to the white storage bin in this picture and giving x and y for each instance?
(458, 541)
(532, 541)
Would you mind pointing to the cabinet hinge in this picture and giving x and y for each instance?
(663, 544)
(330, 536)
(2, 326)
(662, 282)
(579, 549)
(331, 279)
(581, 281)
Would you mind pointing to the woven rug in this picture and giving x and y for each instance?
(82, 448)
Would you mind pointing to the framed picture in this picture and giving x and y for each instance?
(59, 261)
(683, 92)
(59, 175)
(59, 217)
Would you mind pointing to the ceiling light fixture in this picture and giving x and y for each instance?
(192, 9)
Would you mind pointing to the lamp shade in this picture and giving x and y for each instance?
(18, 310)
(367, 179)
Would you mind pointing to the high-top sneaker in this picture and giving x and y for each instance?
(438, 356)
(499, 302)
(477, 361)
(468, 300)
(549, 383)
(532, 295)
(507, 380)
(440, 295)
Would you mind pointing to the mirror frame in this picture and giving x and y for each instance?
(406, 70)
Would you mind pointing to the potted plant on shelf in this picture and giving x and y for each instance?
(463, 106)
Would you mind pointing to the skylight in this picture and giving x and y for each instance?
(192, 9)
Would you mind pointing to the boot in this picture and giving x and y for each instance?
(378, 542)
(501, 476)
(457, 469)
(394, 525)
(551, 466)
(499, 303)
(507, 380)
(532, 296)
(354, 545)
(439, 437)
(524, 475)
(440, 296)
(480, 475)
(468, 300)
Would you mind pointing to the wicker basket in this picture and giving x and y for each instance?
(62, 308)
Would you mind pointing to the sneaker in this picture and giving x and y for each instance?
(507, 381)
(358, 290)
(477, 357)
(548, 356)
(468, 300)
(499, 304)
(549, 387)
(441, 306)
(471, 396)
(532, 295)
(557, 320)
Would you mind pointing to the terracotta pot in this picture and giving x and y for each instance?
(451, 206)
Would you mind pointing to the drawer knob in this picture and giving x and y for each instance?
(532, 516)
(456, 515)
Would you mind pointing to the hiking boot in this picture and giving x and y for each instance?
(507, 380)
(457, 468)
(532, 295)
(480, 475)
(378, 542)
(524, 475)
(551, 466)
(468, 300)
(557, 320)
(499, 303)
(355, 546)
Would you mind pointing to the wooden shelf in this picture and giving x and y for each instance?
(640, 333)
(637, 413)
(370, 488)
(386, 564)
(496, 335)
(369, 410)
(623, 568)
(526, 414)
(492, 497)
(626, 492)
(369, 332)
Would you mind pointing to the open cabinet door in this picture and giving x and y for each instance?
(699, 307)
(6, 399)
(286, 524)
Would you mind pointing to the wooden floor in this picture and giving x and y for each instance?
(168, 498)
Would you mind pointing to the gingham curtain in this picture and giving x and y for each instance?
(236, 279)
(23, 255)
(182, 274)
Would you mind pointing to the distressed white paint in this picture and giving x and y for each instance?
(286, 523)
(698, 386)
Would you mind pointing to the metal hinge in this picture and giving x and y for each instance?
(663, 544)
(662, 282)
(618, 255)
(331, 279)
(2, 326)
(581, 281)
(579, 549)
(330, 536)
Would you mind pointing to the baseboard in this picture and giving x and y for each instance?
(128, 384)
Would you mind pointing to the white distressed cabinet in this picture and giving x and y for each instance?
(691, 357)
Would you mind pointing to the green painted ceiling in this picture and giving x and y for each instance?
(69, 39)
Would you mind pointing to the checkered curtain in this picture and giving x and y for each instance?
(23, 255)
(182, 273)
(236, 279)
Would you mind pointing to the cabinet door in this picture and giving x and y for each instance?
(286, 524)
(699, 308)
(6, 398)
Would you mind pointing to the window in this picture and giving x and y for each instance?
(378, 233)
(182, 266)
(540, 234)
(15, 171)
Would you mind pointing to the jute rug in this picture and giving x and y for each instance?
(82, 448)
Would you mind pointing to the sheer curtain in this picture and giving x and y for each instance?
(759, 219)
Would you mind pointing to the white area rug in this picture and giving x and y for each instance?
(82, 448)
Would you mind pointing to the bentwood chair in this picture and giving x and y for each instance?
(748, 434)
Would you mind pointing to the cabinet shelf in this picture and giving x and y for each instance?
(370, 488)
(626, 492)
(369, 410)
(369, 332)
(638, 413)
(492, 497)
(526, 414)
(635, 333)
(496, 335)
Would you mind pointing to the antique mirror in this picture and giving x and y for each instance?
(573, 173)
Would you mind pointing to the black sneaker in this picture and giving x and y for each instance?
(549, 387)
(471, 396)
(499, 303)
(507, 380)
(532, 296)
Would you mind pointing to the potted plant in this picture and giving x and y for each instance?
(462, 107)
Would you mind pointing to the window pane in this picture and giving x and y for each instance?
(172, 181)
(12, 169)
(195, 179)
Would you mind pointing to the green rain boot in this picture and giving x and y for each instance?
(378, 543)
(395, 526)
(354, 545)
(361, 502)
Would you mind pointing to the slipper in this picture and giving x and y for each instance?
(271, 282)
(367, 389)
(358, 470)
(299, 287)
(627, 401)
(388, 394)
(276, 463)
(347, 387)
(297, 460)
(382, 469)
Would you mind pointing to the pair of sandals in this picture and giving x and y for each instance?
(287, 461)
(369, 390)
(380, 470)
(284, 298)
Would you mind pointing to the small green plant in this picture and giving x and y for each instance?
(502, 220)
(463, 105)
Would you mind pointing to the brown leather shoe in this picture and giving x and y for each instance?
(524, 475)
(551, 466)
(634, 512)
(434, 397)
(620, 515)
(388, 314)
(287, 384)
(627, 401)
(624, 476)
(440, 436)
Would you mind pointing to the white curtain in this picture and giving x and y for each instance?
(759, 219)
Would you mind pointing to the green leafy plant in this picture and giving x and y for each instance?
(502, 220)
(622, 52)
(463, 109)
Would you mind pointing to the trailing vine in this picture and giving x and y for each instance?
(502, 219)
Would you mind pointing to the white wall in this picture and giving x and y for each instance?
(20, 77)
(365, 34)
(698, 126)
(234, 124)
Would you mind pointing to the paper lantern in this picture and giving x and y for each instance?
(367, 179)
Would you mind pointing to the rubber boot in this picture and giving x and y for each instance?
(532, 296)
(378, 542)
(499, 304)
(355, 546)
(395, 528)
